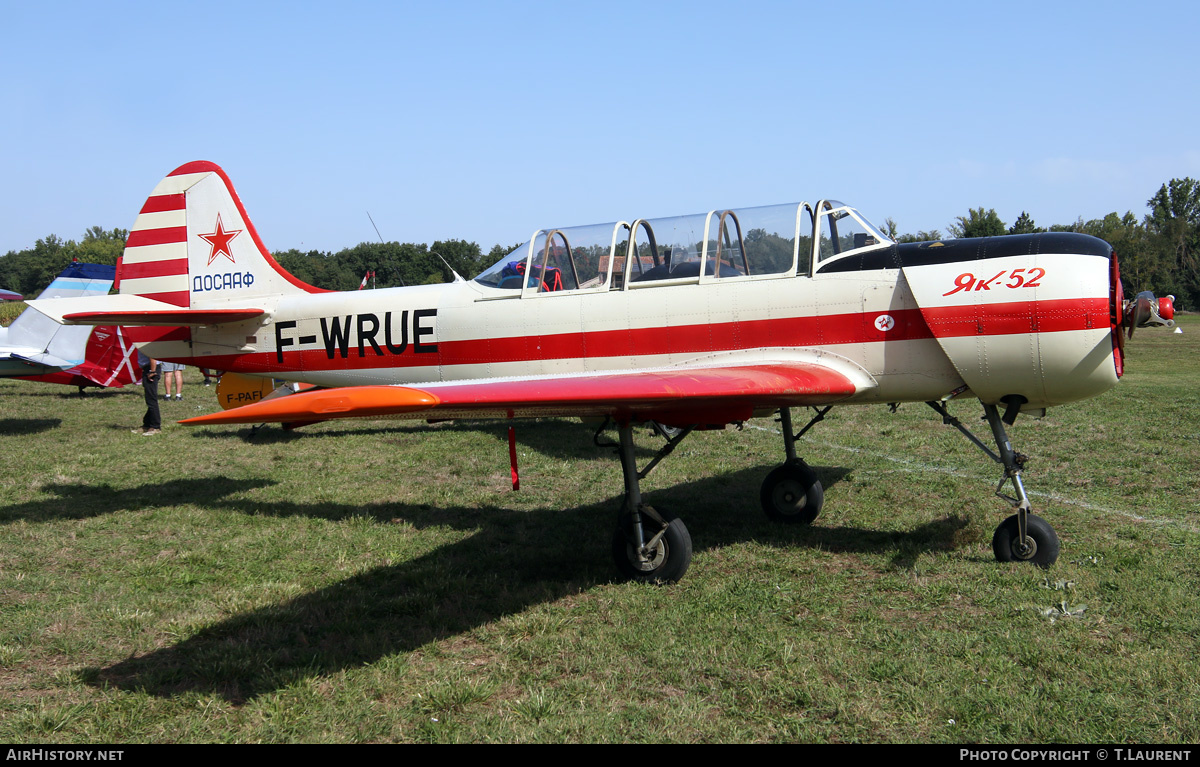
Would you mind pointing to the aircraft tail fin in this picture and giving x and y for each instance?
(80, 279)
(47, 342)
(193, 246)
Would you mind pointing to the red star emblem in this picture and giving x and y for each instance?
(220, 240)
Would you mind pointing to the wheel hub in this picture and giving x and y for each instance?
(790, 497)
(650, 557)
(1026, 549)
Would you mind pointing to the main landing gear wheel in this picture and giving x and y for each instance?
(1039, 547)
(666, 432)
(792, 493)
(666, 555)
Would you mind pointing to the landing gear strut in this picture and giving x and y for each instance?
(648, 545)
(1023, 537)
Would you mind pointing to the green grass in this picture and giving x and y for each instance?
(10, 310)
(380, 581)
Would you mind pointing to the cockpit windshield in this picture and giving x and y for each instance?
(558, 259)
(775, 240)
(843, 229)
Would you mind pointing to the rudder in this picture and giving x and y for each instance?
(194, 246)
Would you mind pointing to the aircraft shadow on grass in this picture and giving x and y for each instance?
(514, 560)
(73, 394)
(17, 427)
(556, 437)
(85, 501)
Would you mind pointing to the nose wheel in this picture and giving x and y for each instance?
(1038, 546)
(1023, 537)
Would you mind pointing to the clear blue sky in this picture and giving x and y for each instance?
(485, 121)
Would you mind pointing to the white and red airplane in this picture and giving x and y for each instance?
(35, 348)
(690, 322)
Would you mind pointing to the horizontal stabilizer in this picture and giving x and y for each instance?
(38, 360)
(165, 318)
(131, 310)
(676, 395)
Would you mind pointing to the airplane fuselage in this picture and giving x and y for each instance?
(1031, 324)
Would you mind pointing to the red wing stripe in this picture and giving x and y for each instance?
(695, 391)
(750, 384)
(156, 236)
(164, 202)
(350, 402)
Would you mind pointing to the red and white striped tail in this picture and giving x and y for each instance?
(194, 246)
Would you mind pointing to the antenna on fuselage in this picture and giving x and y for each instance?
(457, 276)
(381, 242)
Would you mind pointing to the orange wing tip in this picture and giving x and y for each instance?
(350, 402)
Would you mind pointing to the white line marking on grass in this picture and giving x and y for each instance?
(916, 467)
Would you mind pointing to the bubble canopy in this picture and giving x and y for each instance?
(748, 243)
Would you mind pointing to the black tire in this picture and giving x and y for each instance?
(671, 556)
(792, 493)
(1041, 546)
(666, 432)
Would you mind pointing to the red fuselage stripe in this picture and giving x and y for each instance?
(907, 325)
(1018, 317)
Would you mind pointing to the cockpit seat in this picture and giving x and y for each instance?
(686, 269)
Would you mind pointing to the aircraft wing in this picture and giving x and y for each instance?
(679, 396)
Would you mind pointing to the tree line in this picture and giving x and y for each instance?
(1159, 252)
(392, 264)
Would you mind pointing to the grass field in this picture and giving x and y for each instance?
(380, 581)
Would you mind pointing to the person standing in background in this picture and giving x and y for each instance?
(152, 421)
(173, 373)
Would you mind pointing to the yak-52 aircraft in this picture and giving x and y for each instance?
(36, 348)
(693, 322)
